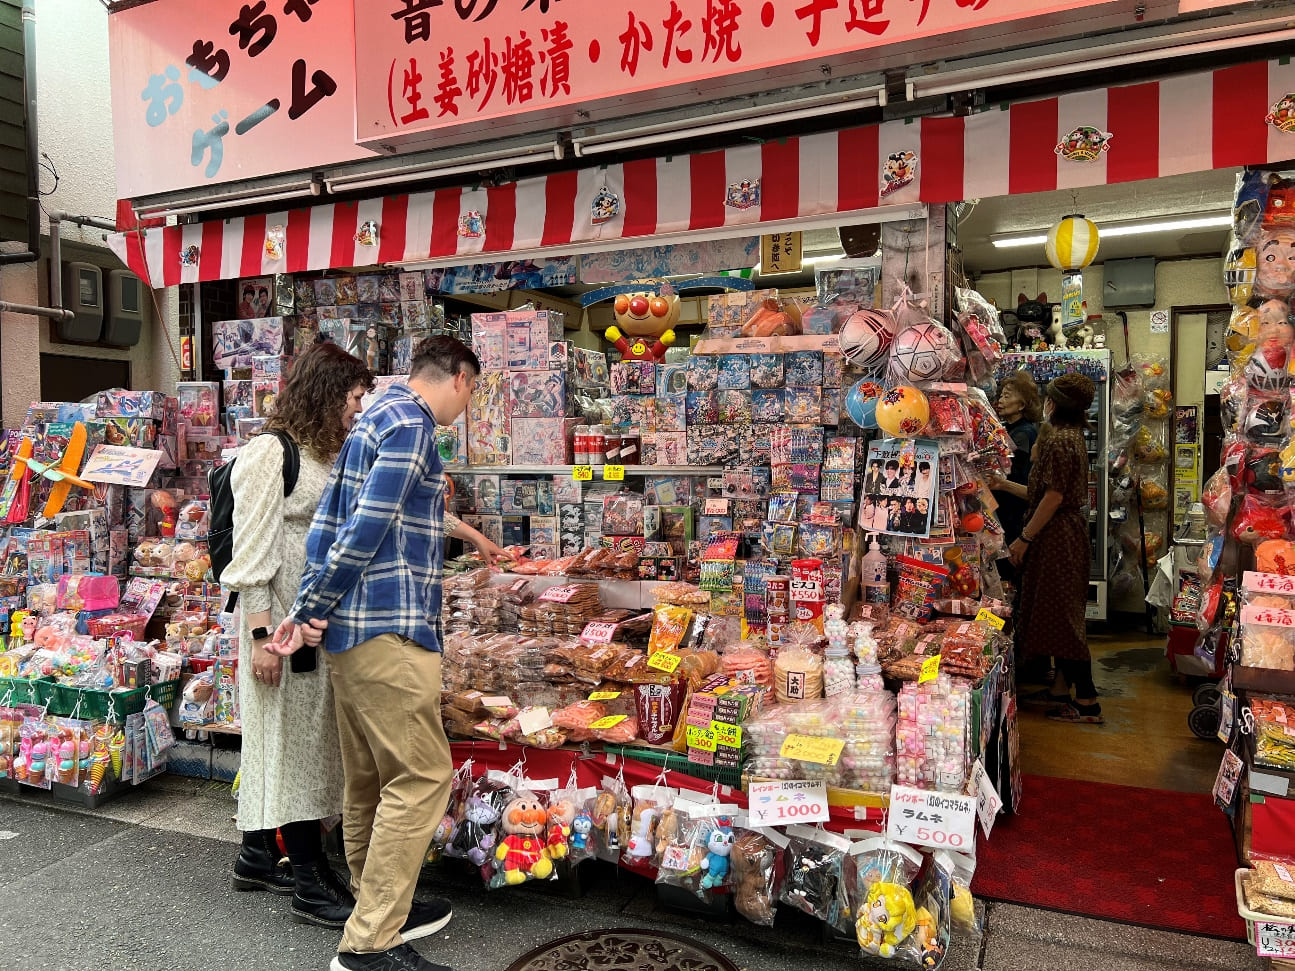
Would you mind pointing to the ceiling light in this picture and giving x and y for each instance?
(1167, 224)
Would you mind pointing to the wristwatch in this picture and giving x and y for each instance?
(260, 633)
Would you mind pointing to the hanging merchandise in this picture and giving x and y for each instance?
(1072, 243)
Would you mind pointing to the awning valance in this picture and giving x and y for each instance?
(1188, 123)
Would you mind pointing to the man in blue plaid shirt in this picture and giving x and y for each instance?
(372, 593)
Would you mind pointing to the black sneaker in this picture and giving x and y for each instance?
(426, 917)
(402, 957)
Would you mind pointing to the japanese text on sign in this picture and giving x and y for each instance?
(1268, 583)
(785, 802)
(665, 661)
(1274, 940)
(206, 93)
(440, 63)
(987, 616)
(1267, 616)
(582, 473)
(598, 633)
(702, 739)
(930, 670)
(810, 748)
(121, 465)
(560, 595)
(940, 820)
(613, 473)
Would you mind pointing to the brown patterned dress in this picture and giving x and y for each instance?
(1054, 587)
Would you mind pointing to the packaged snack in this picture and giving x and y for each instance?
(797, 675)
(669, 624)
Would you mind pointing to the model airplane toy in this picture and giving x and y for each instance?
(17, 491)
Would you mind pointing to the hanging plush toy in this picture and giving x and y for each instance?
(1256, 522)
(522, 854)
(562, 815)
(886, 919)
(719, 845)
(644, 323)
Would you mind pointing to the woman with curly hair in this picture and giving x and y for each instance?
(292, 764)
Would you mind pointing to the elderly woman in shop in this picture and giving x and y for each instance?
(1053, 552)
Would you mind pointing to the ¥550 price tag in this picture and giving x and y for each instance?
(783, 803)
(582, 473)
(613, 473)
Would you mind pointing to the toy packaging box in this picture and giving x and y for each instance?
(236, 342)
(529, 338)
(199, 403)
(238, 394)
(122, 404)
(135, 432)
(537, 394)
(542, 441)
(270, 366)
(589, 368)
(265, 391)
(489, 438)
(452, 442)
(489, 340)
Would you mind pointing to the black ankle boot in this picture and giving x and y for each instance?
(320, 897)
(259, 866)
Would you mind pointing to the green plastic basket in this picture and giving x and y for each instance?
(25, 691)
(112, 706)
(675, 762)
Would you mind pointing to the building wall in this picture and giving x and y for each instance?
(75, 126)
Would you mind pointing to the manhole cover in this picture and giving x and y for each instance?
(623, 949)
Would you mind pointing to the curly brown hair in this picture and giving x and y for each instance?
(310, 406)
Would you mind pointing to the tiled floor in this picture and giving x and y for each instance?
(1145, 741)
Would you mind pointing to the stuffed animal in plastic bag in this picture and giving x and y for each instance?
(581, 826)
(562, 815)
(642, 826)
(474, 838)
(1256, 521)
(886, 919)
(523, 852)
(719, 846)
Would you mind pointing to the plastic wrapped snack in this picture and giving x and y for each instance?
(669, 624)
(797, 675)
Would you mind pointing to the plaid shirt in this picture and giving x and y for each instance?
(377, 543)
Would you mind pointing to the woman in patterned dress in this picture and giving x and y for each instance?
(1053, 552)
(291, 774)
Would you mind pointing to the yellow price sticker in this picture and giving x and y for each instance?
(702, 739)
(604, 696)
(664, 661)
(987, 616)
(930, 670)
(730, 736)
(810, 748)
(582, 473)
(611, 721)
(613, 473)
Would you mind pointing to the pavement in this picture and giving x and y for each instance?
(142, 884)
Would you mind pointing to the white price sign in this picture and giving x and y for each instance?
(940, 820)
(988, 801)
(784, 803)
(1273, 940)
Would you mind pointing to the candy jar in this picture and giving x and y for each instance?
(838, 669)
(865, 644)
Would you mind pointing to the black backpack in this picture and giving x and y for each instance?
(220, 535)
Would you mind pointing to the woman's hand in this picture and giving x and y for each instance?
(266, 667)
(491, 553)
(1016, 552)
(996, 481)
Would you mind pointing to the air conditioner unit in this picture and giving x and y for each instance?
(83, 295)
(125, 317)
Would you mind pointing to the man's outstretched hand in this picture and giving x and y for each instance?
(290, 636)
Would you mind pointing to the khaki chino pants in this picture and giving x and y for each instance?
(398, 772)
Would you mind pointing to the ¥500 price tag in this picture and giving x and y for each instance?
(665, 661)
(810, 748)
(783, 803)
(941, 820)
(582, 473)
(598, 633)
(613, 473)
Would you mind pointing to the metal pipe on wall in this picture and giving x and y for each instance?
(53, 313)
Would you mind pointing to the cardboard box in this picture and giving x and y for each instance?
(127, 404)
(537, 394)
(489, 340)
(489, 426)
(542, 441)
(236, 342)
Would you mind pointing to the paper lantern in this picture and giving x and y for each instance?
(902, 412)
(861, 402)
(1072, 243)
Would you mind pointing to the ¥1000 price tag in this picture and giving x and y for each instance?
(810, 748)
(582, 473)
(784, 803)
(613, 473)
(940, 820)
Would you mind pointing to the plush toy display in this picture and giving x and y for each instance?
(886, 919)
(642, 825)
(644, 322)
(523, 853)
(581, 827)
(474, 839)
(562, 815)
(719, 845)
(1256, 521)
(754, 861)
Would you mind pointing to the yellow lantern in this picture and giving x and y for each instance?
(1072, 243)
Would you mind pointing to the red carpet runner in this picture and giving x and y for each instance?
(1142, 856)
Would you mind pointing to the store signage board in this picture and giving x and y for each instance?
(781, 253)
(279, 95)
(785, 802)
(121, 465)
(430, 66)
(940, 820)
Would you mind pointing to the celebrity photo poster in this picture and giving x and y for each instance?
(899, 484)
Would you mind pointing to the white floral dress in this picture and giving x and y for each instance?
(292, 763)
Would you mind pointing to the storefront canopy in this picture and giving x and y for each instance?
(1190, 123)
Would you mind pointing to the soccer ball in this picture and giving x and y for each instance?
(865, 338)
(861, 403)
(923, 352)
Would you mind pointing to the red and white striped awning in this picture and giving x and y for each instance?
(1188, 123)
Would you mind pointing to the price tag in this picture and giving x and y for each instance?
(810, 748)
(533, 720)
(930, 669)
(665, 661)
(730, 736)
(987, 616)
(604, 696)
(940, 820)
(598, 633)
(675, 857)
(1273, 940)
(559, 595)
(702, 739)
(613, 473)
(781, 803)
(988, 801)
(582, 473)
(716, 507)
(1227, 714)
(611, 721)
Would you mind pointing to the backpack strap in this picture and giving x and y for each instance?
(291, 461)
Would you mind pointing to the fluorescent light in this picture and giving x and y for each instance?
(678, 129)
(1165, 225)
(468, 164)
(228, 202)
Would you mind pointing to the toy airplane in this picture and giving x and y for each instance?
(63, 474)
